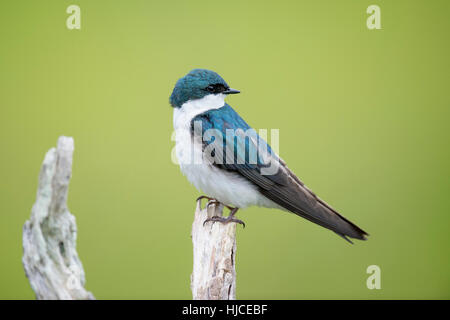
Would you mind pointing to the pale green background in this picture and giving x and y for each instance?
(363, 118)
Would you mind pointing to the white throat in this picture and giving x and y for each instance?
(182, 116)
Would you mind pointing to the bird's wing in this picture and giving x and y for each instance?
(248, 155)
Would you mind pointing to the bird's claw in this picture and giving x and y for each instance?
(230, 218)
(199, 199)
(204, 197)
(224, 220)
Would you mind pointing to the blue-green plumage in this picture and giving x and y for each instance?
(240, 143)
(232, 175)
(193, 86)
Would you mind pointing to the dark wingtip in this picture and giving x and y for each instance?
(344, 237)
(357, 232)
(361, 235)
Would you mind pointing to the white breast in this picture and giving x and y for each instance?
(229, 188)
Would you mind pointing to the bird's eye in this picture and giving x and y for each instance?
(210, 88)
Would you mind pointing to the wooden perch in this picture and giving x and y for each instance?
(50, 258)
(51, 261)
(214, 274)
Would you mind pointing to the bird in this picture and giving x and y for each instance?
(215, 155)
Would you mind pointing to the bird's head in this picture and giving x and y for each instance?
(196, 85)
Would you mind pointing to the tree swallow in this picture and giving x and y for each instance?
(228, 173)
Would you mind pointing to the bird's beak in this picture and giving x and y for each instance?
(231, 91)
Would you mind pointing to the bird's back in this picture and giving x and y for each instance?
(282, 187)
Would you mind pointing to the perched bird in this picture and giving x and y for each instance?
(228, 173)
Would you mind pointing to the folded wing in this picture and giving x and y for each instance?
(237, 148)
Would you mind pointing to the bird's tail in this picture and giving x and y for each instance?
(332, 220)
(307, 205)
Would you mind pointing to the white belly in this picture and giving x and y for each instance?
(229, 188)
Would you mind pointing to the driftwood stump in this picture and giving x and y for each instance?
(50, 258)
(51, 261)
(214, 273)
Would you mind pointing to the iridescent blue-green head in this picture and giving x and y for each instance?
(197, 84)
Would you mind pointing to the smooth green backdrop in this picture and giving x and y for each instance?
(363, 118)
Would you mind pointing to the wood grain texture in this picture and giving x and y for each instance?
(214, 273)
(50, 258)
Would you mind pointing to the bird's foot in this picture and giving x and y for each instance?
(205, 197)
(226, 220)
(211, 201)
(217, 203)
